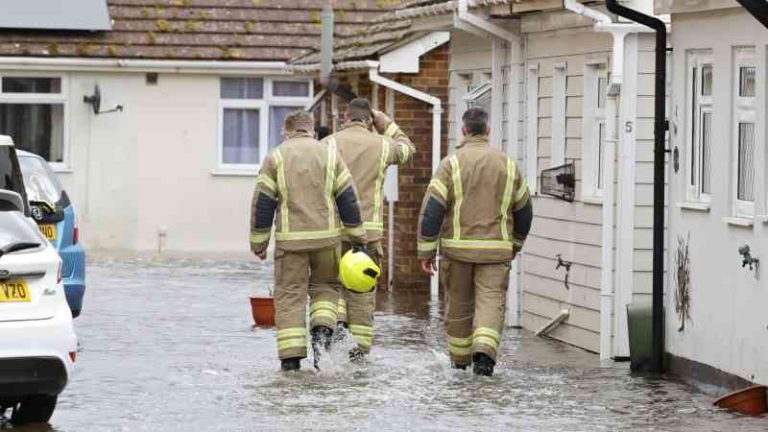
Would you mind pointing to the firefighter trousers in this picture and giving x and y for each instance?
(298, 274)
(356, 309)
(475, 304)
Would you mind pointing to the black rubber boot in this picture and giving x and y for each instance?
(356, 355)
(483, 364)
(322, 337)
(459, 366)
(291, 364)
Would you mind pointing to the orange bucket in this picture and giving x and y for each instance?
(750, 401)
(263, 310)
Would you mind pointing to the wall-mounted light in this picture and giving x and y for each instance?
(95, 101)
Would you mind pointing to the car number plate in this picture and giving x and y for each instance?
(14, 291)
(49, 231)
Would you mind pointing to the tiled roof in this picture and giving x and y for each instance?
(258, 30)
(383, 32)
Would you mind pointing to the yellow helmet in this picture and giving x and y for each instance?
(358, 271)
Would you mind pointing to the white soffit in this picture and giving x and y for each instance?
(405, 59)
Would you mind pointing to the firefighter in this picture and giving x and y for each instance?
(369, 142)
(478, 211)
(307, 190)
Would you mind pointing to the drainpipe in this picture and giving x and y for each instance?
(659, 130)
(437, 111)
(758, 9)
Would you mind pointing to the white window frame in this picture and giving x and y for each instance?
(744, 110)
(263, 105)
(697, 104)
(45, 98)
(559, 101)
(594, 116)
(532, 126)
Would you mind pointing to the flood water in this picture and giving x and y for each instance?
(168, 345)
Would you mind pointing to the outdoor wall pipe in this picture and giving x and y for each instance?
(437, 111)
(758, 9)
(659, 130)
(556, 321)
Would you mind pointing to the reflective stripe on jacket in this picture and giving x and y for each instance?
(367, 155)
(307, 190)
(470, 204)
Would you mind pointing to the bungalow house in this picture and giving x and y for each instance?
(718, 193)
(568, 87)
(202, 91)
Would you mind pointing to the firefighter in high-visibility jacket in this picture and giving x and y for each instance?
(477, 210)
(307, 190)
(369, 142)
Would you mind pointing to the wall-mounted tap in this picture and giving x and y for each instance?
(565, 264)
(748, 259)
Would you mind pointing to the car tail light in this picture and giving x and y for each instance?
(58, 274)
(73, 356)
(75, 234)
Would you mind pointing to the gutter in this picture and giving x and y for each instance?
(659, 130)
(139, 65)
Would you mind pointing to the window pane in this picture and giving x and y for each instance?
(241, 136)
(747, 81)
(276, 119)
(706, 80)
(746, 190)
(31, 85)
(290, 88)
(694, 125)
(38, 128)
(600, 147)
(602, 89)
(706, 152)
(242, 88)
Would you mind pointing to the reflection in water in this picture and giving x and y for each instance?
(169, 346)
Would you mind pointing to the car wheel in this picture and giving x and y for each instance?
(34, 409)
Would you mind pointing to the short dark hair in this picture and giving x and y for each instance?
(475, 121)
(359, 109)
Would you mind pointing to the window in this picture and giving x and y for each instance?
(33, 112)
(532, 126)
(594, 128)
(480, 97)
(252, 112)
(699, 115)
(558, 114)
(744, 101)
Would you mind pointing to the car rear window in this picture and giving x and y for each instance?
(9, 171)
(40, 181)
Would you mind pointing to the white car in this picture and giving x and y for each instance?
(37, 340)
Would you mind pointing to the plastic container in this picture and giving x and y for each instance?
(639, 322)
(263, 310)
(750, 401)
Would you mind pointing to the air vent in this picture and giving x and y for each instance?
(559, 182)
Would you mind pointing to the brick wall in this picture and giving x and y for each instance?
(415, 118)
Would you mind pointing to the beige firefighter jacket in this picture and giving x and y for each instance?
(367, 155)
(308, 191)
(480, 189)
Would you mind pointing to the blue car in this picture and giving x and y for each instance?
(55, 216)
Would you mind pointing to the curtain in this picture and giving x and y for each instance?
(241, 136)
